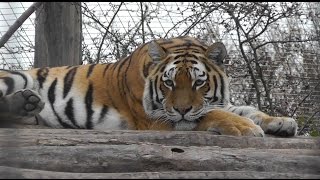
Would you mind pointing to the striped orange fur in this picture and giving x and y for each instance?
(166, 84)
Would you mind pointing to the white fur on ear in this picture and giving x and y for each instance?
(155, 51)
(217, 52)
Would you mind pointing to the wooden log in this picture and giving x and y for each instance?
(135, 151)
(35, 153)
(58, 137)
(155, 157)
(18, 173)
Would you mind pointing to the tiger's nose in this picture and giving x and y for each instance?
(183, 110)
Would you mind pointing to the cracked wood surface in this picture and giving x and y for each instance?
(36, 153)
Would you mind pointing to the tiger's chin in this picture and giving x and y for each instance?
(184, 125)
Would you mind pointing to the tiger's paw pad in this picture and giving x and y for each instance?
(281, 126)
(25, 103)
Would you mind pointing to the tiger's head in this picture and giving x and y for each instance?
(186, 81)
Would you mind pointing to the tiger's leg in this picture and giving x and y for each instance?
(279, 126)
(227, 123)
(23, 103)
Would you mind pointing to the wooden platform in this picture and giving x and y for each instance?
(64, 153)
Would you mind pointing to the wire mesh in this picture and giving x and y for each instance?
(18, 52)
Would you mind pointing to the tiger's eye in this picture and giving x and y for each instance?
(169, 82)
(198, 82)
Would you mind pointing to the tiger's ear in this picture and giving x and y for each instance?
(156, 52)
(217, 52)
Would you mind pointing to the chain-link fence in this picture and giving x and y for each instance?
(274, 47)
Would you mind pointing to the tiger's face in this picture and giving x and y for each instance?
(185, 85)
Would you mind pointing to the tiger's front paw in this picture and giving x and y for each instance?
(237, 129)
(280, 126)
(226, 123)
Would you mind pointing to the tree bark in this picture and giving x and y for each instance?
(58, 35)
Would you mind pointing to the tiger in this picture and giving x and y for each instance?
(173, 84)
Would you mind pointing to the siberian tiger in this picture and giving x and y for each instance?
(166, 84)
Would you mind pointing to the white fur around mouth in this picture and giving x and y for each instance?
(184, 125)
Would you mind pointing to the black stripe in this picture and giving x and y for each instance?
(230, 107)
(128, 90)
(69, 111)
(122, 62)
(179, 56)
(42, 74)
(187, 46)
(88, 102)
(211, 66)
(68, 81)
(186, 55)
(103, 113)
(51, 91)
(52, 98)
(209, 87)
(146, 69)
(201, 75)
(20, 74)
(150, 89)
(111, 81)
(116, 64)
(277, 132)
(10, 84)
(215, 86)
(207, 67)
(234, 109)
(105, 69)
(23, 77)
(162, 66)
(162, 69)
(193, 62)
(188, 42)
(125, 84)
(121, 65)
(222, 87)
(151, 95)
(155, 89)
(90, 69)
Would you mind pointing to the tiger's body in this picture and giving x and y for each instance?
(167, 84)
